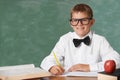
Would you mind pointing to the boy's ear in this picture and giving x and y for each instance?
(92, 21)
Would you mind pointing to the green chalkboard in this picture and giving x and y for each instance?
(29, 29)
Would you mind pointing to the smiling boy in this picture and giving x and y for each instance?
(81, 50)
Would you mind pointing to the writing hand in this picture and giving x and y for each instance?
(79, 67)
(56, 70)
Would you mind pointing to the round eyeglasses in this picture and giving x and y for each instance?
(83, 21)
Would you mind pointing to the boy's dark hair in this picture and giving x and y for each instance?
(82, 8)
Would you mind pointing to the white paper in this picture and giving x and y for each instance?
(89, 74)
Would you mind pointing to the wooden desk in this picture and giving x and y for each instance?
(65, 78)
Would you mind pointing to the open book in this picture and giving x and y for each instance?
(19, 72)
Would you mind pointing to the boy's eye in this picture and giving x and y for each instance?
(84, 19)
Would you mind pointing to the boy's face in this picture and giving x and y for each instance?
(81, 23)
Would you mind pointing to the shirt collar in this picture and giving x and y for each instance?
(90, 34)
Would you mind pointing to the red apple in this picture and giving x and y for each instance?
(109, 66)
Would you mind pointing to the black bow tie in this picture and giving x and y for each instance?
(77, 42)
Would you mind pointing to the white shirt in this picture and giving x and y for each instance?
(95, 54)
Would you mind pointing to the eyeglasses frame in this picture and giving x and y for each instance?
(81, 21)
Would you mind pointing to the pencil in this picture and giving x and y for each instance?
(56, 59)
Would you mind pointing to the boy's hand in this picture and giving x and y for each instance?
(79, 67)
(56, 70)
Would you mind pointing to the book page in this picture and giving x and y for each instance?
(21, 71)
(78, 73)
(17, 67)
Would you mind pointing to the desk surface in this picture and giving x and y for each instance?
(65, 78)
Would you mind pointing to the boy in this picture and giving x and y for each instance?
(81, 50)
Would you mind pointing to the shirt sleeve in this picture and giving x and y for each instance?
(49, 61)
(106, 53)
